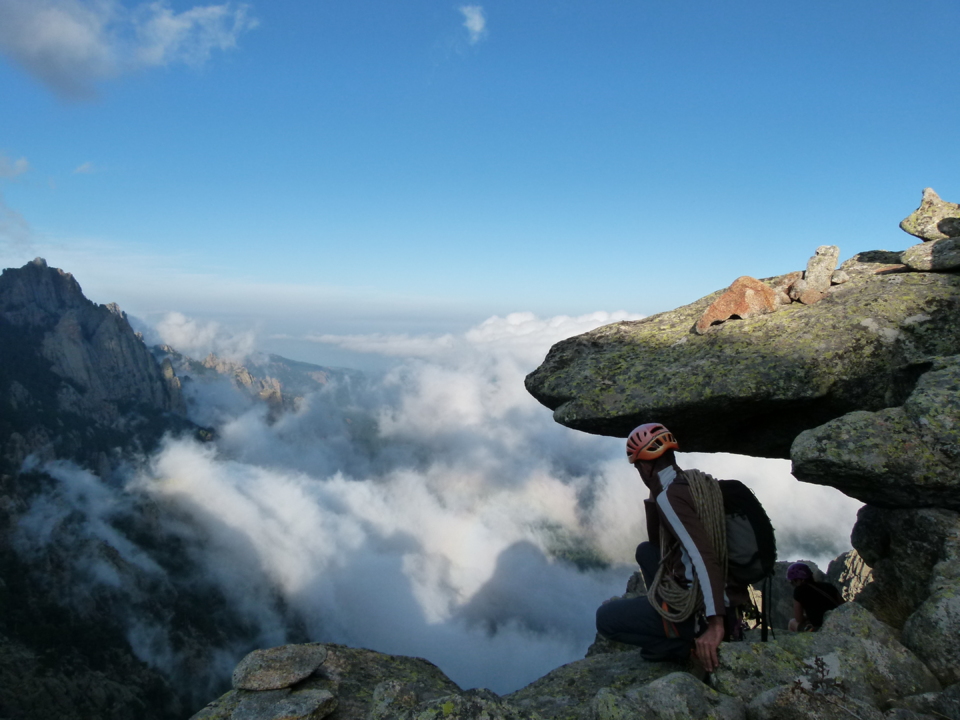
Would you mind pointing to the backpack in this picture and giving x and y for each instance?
(751, 544)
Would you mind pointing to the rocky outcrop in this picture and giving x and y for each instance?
(264, 388)
(903, 547)
(91, 347)
(796, 702)
(748, 297)
(934, 256)
(349, 684)
(932, 630)
(567, 692)
(75, 379)
(860, 388)
(934, 219)
(850, 574)
(753, 385)
(855, 663)
(906, 456)
(278, 667)
(281, 383)
(677, 696)
(857, 650)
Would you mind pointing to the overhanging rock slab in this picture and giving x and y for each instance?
(751, 386)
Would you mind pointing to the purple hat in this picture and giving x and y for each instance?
(799, 571)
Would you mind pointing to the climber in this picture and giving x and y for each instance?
(684, 611)
(811, 598)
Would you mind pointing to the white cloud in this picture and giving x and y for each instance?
(456, 492)
(431, 509)
(474, 21)
(84, 169)
(189, 37)
(70, 45)
(198, 339)
(522, 334)
(11, 168)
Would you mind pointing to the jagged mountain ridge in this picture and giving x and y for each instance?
(280, 382)
(80, 387)
(76, 381)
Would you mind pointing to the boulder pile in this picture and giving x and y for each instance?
(748, 297)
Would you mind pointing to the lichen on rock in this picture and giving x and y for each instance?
(906, 456)
(752, 386)
(278, 667)
(935, 219)
(566, 693)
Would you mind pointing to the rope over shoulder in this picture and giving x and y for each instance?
(684, 602)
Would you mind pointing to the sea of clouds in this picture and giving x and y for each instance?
(433, 510)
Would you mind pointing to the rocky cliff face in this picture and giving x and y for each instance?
(75, 379)
(97, 594)
(279, 382)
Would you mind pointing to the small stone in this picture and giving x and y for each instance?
(810, 296)
(839, 277)
(278, 667)
(934, 219)
(782, 285)
(936, 255)
(797, 289)
(745, 298)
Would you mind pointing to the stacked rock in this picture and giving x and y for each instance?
(937, 223)
(748, 297)
(269, 684)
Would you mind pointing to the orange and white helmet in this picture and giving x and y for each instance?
(650, 441)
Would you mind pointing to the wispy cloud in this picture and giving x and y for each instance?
(84, 169)
(198, 338)
(474, 21)
(11, 168)
(15, 233)
(70, 45)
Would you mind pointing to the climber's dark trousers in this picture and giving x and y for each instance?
(636, 622)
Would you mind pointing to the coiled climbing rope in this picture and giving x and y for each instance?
(671, 599)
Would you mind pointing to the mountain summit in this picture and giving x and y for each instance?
(75, 379)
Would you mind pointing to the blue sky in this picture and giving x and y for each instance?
(328, 167)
